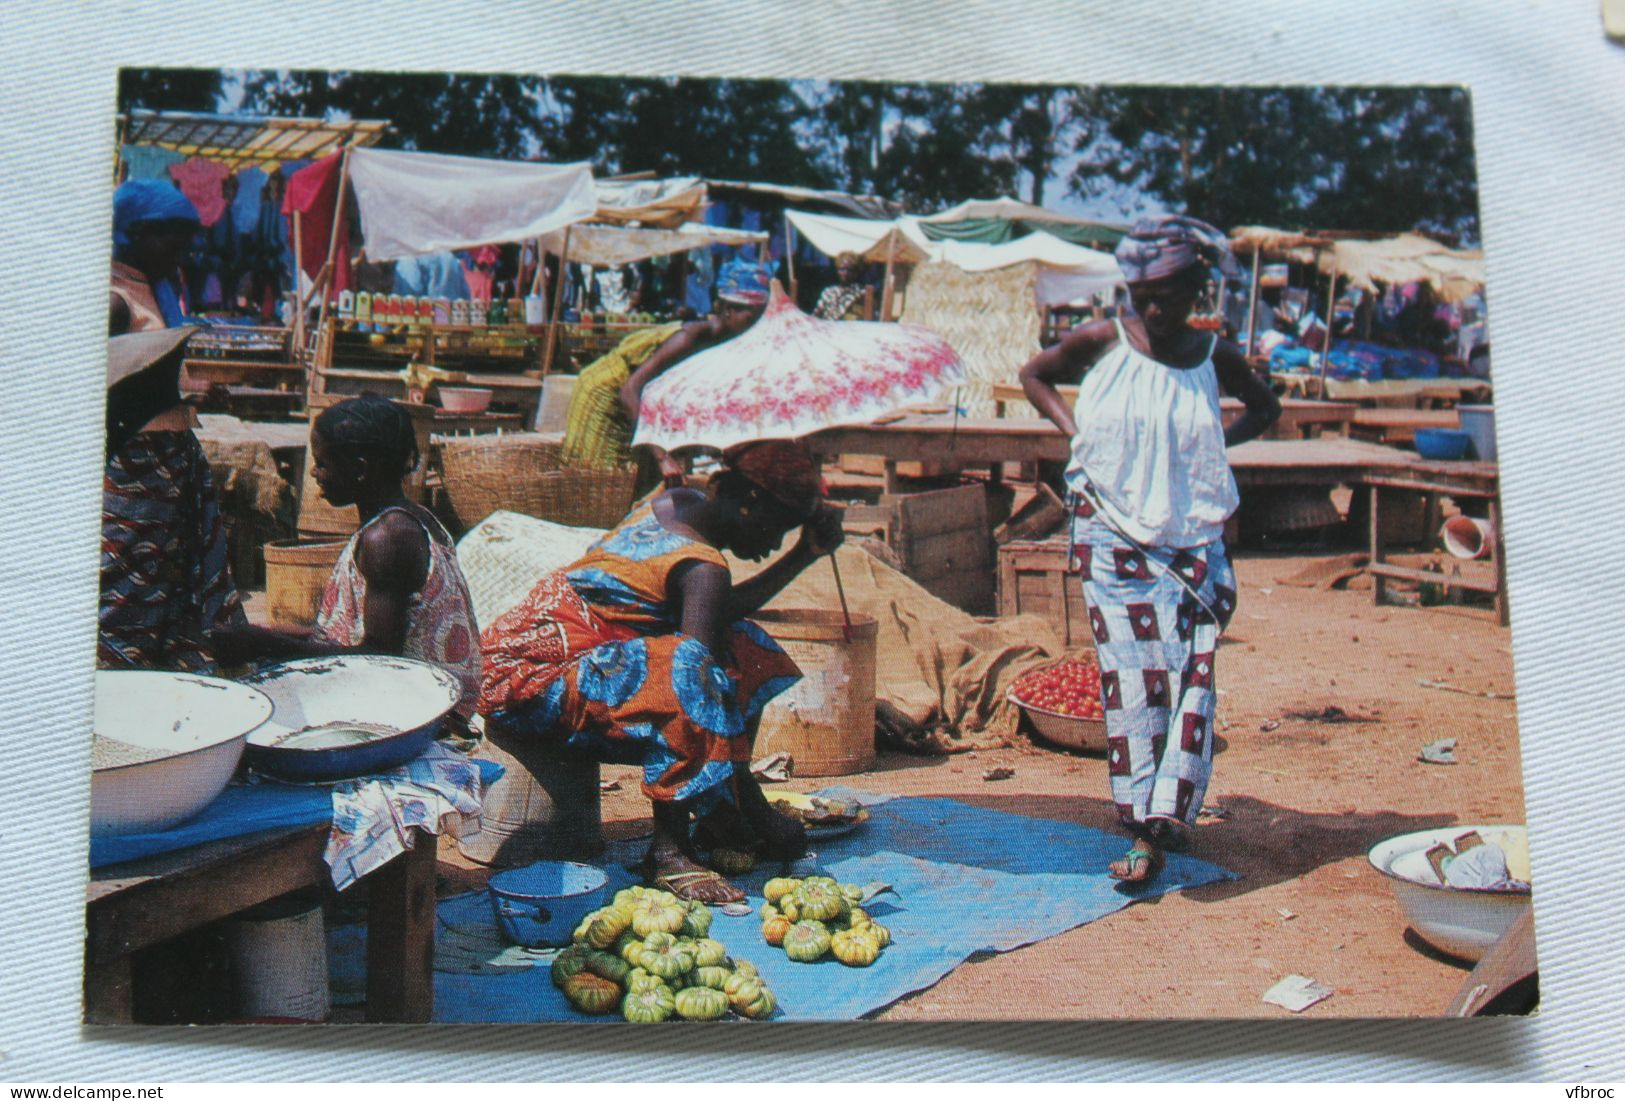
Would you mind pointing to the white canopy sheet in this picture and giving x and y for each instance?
(870, 238)
(612, 246)
(413, 203)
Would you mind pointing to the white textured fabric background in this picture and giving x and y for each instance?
(1549, 100)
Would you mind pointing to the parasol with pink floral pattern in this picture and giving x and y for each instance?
(790, 375)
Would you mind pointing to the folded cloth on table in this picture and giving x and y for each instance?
(439, 791)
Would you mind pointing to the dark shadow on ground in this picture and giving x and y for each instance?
(1263, 842)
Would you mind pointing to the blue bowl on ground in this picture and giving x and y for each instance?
(541, 904)
(1442, 443)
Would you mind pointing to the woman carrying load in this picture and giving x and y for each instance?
(1151, 490)
(640, 653)
(604, 407)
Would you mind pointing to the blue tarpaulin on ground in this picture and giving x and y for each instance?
(965, 880)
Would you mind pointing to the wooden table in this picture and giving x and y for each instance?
(1301, 418)
(145, 902)
(1463, 479)
(1400, 425)
(991, 441)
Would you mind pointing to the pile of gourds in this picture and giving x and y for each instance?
(647, 955)
(812, 917)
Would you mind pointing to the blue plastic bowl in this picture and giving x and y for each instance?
(541, 904)
(1442, 443)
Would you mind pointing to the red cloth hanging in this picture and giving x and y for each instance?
(314, 192)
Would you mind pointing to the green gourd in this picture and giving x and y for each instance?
(609, 966)
(776, 888)
(663, 955)
(607, 928)
(592, 993)
(571, 961)
(819, 901)
(649, 1005)
(658, 913)
(854, 948)
(749, 996)
(714, 977)
(697, 922)
(881, 933)
(709, 953)
(639, 979)
(806, 941)
(700, 1003)
(629, 947)
(851, 892)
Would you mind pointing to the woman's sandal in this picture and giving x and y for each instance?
(1132, 859)
(680, 883)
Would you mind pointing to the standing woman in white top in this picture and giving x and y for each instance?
(1152, 489)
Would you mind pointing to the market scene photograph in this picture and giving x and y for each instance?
(626, 549)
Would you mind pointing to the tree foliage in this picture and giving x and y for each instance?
(1372, 159)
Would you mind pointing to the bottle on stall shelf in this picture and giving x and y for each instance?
(442, 311)
(497, 312)
(396, 310)
(459, 311)
(346, 304)
(363, 311)
(476, 311)
(516, 311)
(425, 311)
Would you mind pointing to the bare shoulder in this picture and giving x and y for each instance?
(394, 547)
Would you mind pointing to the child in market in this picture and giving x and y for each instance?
(397, 588)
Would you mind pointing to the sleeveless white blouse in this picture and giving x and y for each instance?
(1151, 444)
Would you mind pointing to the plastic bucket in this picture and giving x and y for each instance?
(540, 904)
(296, 575)
(1466, 537)
(1478, 421)
(826, 721)
(545, 805)
(279, 959)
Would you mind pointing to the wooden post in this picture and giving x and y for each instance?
(790, 258)
(558, 306)
(1252, 303)
(886, 287)
(541, 270)
(1379, 584)
(331, 267)
(400, 936)
(1326, 345)
(298, 299)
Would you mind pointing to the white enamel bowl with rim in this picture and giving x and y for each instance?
(191, 730)
(1460, 921)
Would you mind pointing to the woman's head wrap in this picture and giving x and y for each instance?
(1170, 243)
(782, 469)
(743, 281)
(138, 201)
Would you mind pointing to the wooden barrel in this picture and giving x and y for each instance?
(826, 721)
(295, 577)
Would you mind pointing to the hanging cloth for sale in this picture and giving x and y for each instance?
(313, 192)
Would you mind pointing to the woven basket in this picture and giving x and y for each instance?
(585, 498)
(486, 474)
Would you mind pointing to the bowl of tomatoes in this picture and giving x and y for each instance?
(1063, 701)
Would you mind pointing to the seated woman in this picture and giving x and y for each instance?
(604, 406)
(166, 588)
(639, 652)
(397, 588)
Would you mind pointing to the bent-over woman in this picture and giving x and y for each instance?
(640, 653)
(1152, 490)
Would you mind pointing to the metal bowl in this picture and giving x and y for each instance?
(1067, 731)
(337, 718)
(167, 743)
(1461, 921)
(541, 904)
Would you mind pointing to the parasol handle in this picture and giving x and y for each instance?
(840, 591)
